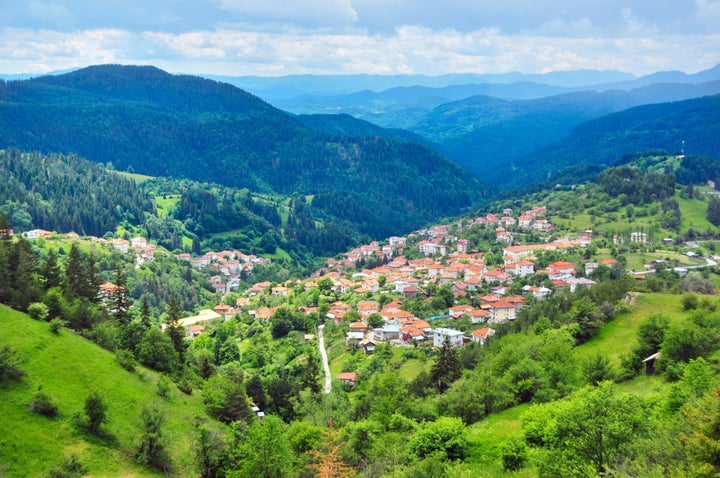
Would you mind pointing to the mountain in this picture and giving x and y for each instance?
(691, 124)
(148, 121)
(490, 136)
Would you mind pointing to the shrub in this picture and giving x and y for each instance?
(126, 359)
(71, 468)
(163, 386)
(55, 325)
(513, 454)
(43, 404)
(95, 410)
(38, 311)
(9, 364)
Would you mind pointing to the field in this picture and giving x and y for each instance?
(68, 367)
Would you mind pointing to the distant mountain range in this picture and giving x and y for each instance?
(146, 120)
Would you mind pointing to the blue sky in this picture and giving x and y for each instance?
(281, 37)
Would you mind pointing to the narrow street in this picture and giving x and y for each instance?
(323, 354)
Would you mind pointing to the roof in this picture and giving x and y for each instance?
(347, 376)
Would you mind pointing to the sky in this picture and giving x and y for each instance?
(432, 37)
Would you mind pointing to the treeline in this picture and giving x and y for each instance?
(66, 193)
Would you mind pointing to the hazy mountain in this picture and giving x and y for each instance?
(691, 124)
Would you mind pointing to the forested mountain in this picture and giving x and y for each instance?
(146, 120)
(65, 193)
(488, 136)
(604, 140)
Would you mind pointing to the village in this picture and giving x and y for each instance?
(374, 296)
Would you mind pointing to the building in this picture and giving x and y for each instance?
(455, 336)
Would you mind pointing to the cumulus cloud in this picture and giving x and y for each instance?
(277, 37)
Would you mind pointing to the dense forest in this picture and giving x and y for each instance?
(65, 193)
(147, 121)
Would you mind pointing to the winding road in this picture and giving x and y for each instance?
(323, 354)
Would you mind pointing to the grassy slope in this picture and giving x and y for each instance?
(614, 339)
(68, 368)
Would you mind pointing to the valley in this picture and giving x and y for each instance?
(194, 259)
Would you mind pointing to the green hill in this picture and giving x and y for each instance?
(68, 368)
(148, 121)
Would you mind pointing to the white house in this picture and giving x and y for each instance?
(455, 336)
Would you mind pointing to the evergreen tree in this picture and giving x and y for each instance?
(174, 330)
(119, 301)
(713, 210)
(5, 279)
(145, 312)
(91, 280)
(22, 266)
(74, 273)
(447, 367)
(51, 271)
(309, 373)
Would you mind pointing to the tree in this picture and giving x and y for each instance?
(309, 373)
(375, 320)
(254, 389)
(328, 461)
(266, 452)
(447, 367)
(95, 411)
(209, 451)
(174, 330)
(156, 351)
(592, 431)
(446, 434)
(225, 398)
(713, 210)
(38, 311)
(597, 369)
(51, 271)
(152, 450)
(118, 300)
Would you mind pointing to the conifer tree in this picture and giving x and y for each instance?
(119, 301)
(447, 367)
(51, 271)
(173, 329)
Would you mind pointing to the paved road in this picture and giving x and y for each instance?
(323, 354)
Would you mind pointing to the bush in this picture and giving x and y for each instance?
(9, 364)
(95, 410)
(71, 468)
(38, 311)
(43, 404)
(126, 359)
(163, 386)
(513, 454)
(55, 325)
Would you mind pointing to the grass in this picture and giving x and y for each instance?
(694, 214)
(166, 203)
(68, 368)
(619, 336)
(139, 178)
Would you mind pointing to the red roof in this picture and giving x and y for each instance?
(347, 376)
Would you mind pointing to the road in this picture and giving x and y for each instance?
(323, 354)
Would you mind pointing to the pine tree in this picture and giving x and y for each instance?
(51, 271)
(173, 329)
(74, 273)
(713, 210)
(119, 301)
(145, 312)
(309, 374)
(447, 367)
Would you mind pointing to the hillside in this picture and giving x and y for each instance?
(145, 120)
(492, 136)
(602, 141)
(68, 368)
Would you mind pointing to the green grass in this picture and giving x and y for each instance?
(694, 214)
(68, 368)
(139, 178)
(619, 336)
(166, 203)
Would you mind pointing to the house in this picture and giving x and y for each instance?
(368, 346)
(368, 307)
(481, 336)
(524, 267)
(479, 316)
(561, 270)
(455, 337)
(387, 332)
(349, 379)
(195, 330)
(120, 244)
(139, 243)
(458, 311)
(353, 339)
